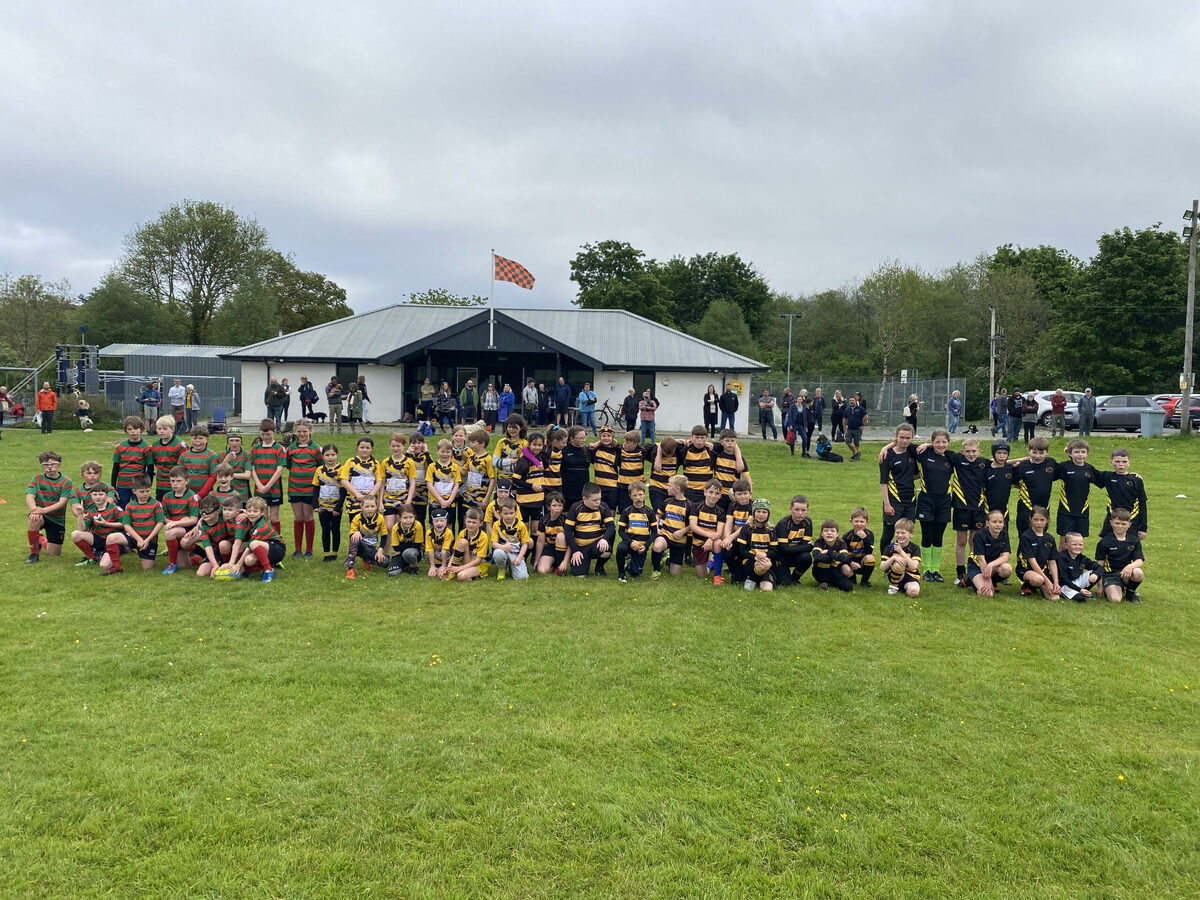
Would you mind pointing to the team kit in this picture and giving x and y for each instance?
(550, 503)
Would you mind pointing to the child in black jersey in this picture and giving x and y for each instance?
(706, 521)
(1037, 558)
(990, 552)
(1125, 491)
(793, 542)
(740, 512)
(673, 516)
(1076, 573)
(638, 527)
(831, 559)
(589, 529)
(551, 549)
(1077, 476)
(1120, 552)
(860, 544)
(408, 541)
(755, 546)
(902, 561)
(897, 481)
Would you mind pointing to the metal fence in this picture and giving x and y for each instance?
(887, 401)
(122, 392)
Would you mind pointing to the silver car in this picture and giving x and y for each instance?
(1115, 411)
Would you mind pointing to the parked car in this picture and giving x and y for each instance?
(1166, 401)
(1175, 420)
(1043, 401)
(1116, 411)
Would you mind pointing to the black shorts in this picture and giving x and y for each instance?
(300, 498)
(1111, 579)
(554, 554)
(272, 499)
(1065, 523)
(902, 511)
(55, 531)
(968, 519)
(973, 570)
(276, 551)
(531, 515)
(933, 509)
(590, 552)
(100, 546)
(676, 553)
(149, 552)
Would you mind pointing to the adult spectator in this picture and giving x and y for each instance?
(802, 421)
(354, 407)
(914, 406)
(150, 400)
(710, 407)
(766, 414)
(787, 401)
(426, 402)
(629, 409)
(334, 395)
(856, 420)
(545, 399)
(308, 396)
(366, 399)
(562, 402)
(191, 406)
(587, 407)
(273, 398)
(729, 407)
(1015, 402)
(953, 411)
(447, 406)
(176, 394)
(837, 416)
(818, 410)
(862, 401)
(507, 401)
(1087, 412)
(1029, 415)
(491, 405)
(999, 408)
(1058, 414)
(6, 406)
(646, 410)
(46, 403)
(287, 398)
(468, 401)
(529, 401)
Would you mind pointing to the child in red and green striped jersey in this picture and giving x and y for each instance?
(131, 458)
(81, 494)
(238, 460)
(181, 509)
(200, 463)
(164, 453)
(264, 548)
(142, 522)
(101, 523)
(46, 497)
(205, 541)
(224, 486)
(303, 460)
(268, 459)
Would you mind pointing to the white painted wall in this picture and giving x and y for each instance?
(681, 395)
(385, 384)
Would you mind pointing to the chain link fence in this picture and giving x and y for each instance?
(215, 392)
(887, 401)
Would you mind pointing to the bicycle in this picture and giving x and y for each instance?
(610, 415)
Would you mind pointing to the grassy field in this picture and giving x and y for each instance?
(392, 737)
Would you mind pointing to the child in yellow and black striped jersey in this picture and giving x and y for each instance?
(664, 464)
(509, 447)
(631, 465)
(728, 465)
(860, 544)
(590, 529)
(552, 473)
(362, 476)
(369, 536)
(329, 498)
(740, 512)
(470, 558)
(459, 444)
(421, 459)
(902, 560)
(604, 455)
(706, 521)
(479, 473)
(638, 527)
(698, 460)
(504, 491)
(408, 542)
(439, 543)
(756, 546)
(398, 484)
(551, 549)
(527, 474)
(794, 537)
(444, 480)
(511, 543)
(673, 517)
(831, 559)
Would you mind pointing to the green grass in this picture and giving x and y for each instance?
(172, 737)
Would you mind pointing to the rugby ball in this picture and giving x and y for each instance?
(227, 573)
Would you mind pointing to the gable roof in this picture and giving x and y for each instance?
(604, 338)
(194, 351)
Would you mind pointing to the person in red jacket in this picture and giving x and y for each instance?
(46, 403)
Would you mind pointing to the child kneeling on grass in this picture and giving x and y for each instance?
(408, 541)
(470, 558)
(990, 551)
(1120, 552)
(368, 536)
(1037, 559)
(141, 522)
(902, 560)
(831, 559)
(511, 543)
(756, 546)
(264, 547)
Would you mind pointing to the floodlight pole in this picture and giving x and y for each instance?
(1185, 399)
(790, 317)
(992, 358)
(949, 351)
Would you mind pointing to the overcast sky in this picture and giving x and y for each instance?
(391, 145)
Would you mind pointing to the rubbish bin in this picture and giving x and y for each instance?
(1152, 422)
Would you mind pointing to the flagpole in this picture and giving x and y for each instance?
(492, 303)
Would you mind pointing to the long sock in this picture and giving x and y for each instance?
(960, 571)
(718, 561)
(260, 553)
(35, 543)
(935, 558)
(866, 573)
(114, 557)
(297, 535)
(621, 554)
(656, 560)
(310, 533)
(172, 551)
(351, 554)
(86, 548)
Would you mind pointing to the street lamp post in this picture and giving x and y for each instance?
(1185, 399)
(790, 317)
(949, 351)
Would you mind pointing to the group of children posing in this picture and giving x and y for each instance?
(561, 506)
(961, 489)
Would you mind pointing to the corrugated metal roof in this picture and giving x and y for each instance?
(615, 338)
(203, 351)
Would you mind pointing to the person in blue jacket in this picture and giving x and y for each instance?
(507, 399)
(562, 402)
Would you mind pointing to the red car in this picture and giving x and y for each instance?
(1172, 410)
